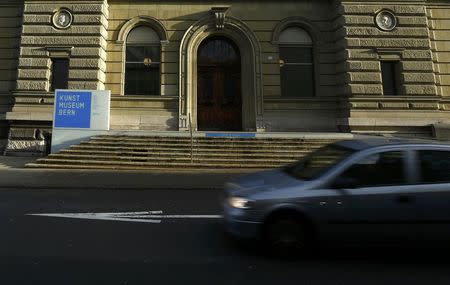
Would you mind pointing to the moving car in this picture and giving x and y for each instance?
(365, 190)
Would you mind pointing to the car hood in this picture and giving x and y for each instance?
(261, 181)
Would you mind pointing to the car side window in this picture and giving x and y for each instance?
(434, 166)
(381, 169)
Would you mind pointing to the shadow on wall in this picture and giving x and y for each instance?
(188, 18)
(172, 124)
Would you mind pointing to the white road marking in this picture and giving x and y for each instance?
(97, 217)
(181, 216)
(135, 217)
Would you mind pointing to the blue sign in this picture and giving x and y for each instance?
(230, 135)
(73, 109)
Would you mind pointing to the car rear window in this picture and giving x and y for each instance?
(318, 162)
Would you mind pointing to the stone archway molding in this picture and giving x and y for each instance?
(250, 49)
(142, 21)
(300, 22)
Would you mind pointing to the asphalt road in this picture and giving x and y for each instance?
(54, 250)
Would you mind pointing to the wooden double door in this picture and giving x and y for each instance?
(219, 100)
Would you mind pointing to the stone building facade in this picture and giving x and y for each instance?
(353, 73)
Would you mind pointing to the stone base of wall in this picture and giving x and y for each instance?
(300, 121)
(441, 131)
(25, 148)
(155, 120)
(28, 141)
(406, 123)
(424, 132)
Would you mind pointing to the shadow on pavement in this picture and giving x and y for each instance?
(7, 162)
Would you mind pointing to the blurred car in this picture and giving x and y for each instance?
(365, 190)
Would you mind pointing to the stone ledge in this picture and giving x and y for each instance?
(30, 116)
(372, 9)
(64, 40)
(94, 8)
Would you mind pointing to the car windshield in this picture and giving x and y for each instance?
(317, 162)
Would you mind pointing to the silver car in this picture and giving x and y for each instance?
(367, 190)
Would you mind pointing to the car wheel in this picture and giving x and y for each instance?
(287, 238)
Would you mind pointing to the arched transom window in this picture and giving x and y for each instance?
(143, 61)
(296, 63)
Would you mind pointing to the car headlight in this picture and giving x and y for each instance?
(239, 202)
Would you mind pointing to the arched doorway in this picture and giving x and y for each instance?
(219, 98)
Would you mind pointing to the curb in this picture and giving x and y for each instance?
(112, 180)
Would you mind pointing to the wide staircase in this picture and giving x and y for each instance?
(146, 152)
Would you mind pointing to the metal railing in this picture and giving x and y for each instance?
(192, 139)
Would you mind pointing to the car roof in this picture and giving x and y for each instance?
(369, 142)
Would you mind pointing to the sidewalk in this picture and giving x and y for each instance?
(14, 175)
(8, 162)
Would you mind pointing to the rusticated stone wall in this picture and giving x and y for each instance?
(10, 30)
(364, 46)
(83, 43)
(86, 37)
(439, 23)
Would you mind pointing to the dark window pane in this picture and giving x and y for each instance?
(390, 71)
(297, 81)
(141, 79)
(139, 53)
(296, 54)
(377, 170)
(217, 50)
(60, 73)
(435, 166)
(142, 70)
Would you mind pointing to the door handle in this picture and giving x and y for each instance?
(404, 199)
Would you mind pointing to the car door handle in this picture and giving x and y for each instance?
(404, 199)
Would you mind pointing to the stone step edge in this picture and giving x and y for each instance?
(63, 162)
(167, 159)
(209, 146)
(180, 153)
(61, 166)
(113, 138)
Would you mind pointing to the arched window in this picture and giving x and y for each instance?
(143, 61)
(296, 63)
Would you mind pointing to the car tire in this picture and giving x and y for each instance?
(287, 238)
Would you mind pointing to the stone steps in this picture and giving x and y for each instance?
(63, 163)
(143, 153)
(196, 153)
(203, 144)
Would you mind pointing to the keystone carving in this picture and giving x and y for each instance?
(219, 16)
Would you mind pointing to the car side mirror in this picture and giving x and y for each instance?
(344, 182)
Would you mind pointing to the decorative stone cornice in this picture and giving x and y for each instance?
(219, 14)
(59, 51)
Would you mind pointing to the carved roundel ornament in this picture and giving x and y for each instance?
(62, 19)
(386, 20)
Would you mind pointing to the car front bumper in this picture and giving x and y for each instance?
(242, 229)
(238, 226)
